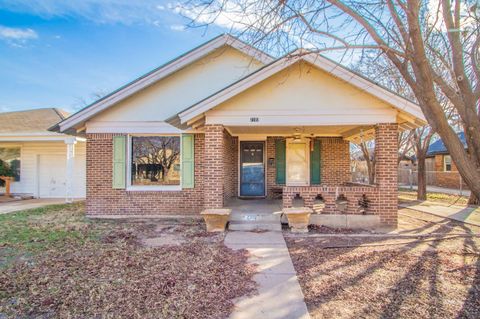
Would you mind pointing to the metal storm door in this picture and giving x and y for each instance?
(252, 169)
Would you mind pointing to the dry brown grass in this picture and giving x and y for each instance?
(424, 277)
(57, 264)
(408, 195)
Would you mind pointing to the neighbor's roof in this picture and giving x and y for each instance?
(438, 147)
(158, 74)
(36, 121)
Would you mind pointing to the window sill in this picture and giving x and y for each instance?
(170, 188)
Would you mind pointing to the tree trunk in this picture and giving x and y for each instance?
(421, 179)
(371, 173)
(473, 200)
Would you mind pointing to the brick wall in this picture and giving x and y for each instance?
(271, 178)
(446, 179)
(103, 199)
(386, 171)
(335, 153)
(329, 195)
(230, 165)
(214, 166)
(335, 169)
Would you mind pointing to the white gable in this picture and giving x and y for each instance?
(302, 94)
(185, 87)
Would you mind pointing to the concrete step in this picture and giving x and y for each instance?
(252, 226)
(254, 217)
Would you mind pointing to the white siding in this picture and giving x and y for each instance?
(183, 88)
(30, 154)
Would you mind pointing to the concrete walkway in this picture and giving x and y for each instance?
(279, 293)
(464, 214)
(15, 206)
(443, 190)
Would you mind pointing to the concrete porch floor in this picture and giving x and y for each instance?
(258, 206)
(254, 214)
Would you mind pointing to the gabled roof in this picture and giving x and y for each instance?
(438, 147)
(160, 73)
(321, 62)
(30, 122)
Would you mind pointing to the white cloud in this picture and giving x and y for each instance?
(17, 37)
(18, 34)
(177, 27)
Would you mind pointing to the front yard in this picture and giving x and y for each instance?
(56, 263)
(433, 271)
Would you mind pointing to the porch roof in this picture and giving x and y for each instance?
(364, 102)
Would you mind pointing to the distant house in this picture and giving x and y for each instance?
(442, 171)
(46, 164)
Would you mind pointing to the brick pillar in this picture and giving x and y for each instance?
(386, 172)
(214, 167)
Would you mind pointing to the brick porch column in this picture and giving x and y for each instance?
(386, 171)
(214, 166)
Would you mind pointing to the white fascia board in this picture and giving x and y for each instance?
(322, 63)
(311, 120)
(161, 73)
(45, 133)
(153, 127)
(59, 138)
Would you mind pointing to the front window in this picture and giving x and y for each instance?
(11, 157)
(155, 160)
(447, 160)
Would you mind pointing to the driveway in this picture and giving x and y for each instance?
(14, 206)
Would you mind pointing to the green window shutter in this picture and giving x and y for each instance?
(280, 160)
(119, 162)
(188, 161)
(315, 164)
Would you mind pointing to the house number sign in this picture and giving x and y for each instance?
(254, 119)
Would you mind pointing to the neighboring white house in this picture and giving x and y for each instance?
(47, 164)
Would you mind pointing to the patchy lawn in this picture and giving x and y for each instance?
(413, 276)
(56, 263)
(408, 195)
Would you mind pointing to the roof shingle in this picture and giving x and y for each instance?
(30, 121)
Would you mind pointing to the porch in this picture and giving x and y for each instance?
(307, 169)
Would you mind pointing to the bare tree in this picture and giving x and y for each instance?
(156, 155)
(368, 151)
(422, 138)
(434, 46)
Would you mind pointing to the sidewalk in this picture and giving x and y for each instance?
(279, 293)
(437, 189)
(14, 206)
(465, 214)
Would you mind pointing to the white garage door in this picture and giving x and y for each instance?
(52, 176)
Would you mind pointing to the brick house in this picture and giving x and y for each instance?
(227, 120)
(442, 170)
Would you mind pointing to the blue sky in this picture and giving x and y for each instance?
(59, 53)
